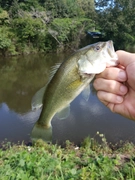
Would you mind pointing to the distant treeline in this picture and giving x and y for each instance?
(28, 26)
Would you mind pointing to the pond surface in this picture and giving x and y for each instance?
(21, 77)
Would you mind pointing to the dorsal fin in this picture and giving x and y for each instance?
(54, 70)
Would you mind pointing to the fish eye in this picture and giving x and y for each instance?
(97, 48)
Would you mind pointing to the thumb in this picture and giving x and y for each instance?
(125, 58)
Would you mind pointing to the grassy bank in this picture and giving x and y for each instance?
(91, 161)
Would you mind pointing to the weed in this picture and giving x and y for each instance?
(91, 160)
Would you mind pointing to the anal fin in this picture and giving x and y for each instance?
(64, 113)
(38, 98)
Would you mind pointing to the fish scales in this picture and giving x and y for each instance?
(61, 90)
(72, 77)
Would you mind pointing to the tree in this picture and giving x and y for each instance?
(5, 40)
(113, 19)
(4, 17)
(69, 31)
(29, 30)
(5, 4)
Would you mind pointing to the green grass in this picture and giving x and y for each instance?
(90, 161)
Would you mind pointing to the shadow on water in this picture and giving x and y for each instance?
(21, 77)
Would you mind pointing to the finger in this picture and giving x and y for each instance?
(121, 67)
(111, 86)
(128, 60)
(125, 58)
(113, 73)
(106, 98)
(131, 75)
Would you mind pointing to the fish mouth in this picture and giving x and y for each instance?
(111, 54)
(110, 49)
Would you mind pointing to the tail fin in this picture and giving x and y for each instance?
(40, 132)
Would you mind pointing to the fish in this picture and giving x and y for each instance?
(68, 79)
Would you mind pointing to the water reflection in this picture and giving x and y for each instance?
(89, 117)
(21, 77)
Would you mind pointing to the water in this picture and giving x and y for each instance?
(21, 77)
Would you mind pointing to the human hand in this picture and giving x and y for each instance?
(116, 86)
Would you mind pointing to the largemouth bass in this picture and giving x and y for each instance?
(67, 81)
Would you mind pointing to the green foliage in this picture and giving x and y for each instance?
(28, 28)
(43, 161)
(62, 28)
(14, 9)
(69, 8)
(6, 37)
(117, 21)
(45, 25)
(5, 4)
(4, 17)
(67, 30)
(5, 42)
(48, 25)
(27, 4)
(30, 31)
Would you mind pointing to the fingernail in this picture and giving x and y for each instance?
(119, 99)
(122, 76)
(123, 89)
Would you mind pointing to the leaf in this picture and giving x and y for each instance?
(22, 162)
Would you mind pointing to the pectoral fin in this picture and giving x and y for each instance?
(38, 98)
(86, 93)
(64, 113)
